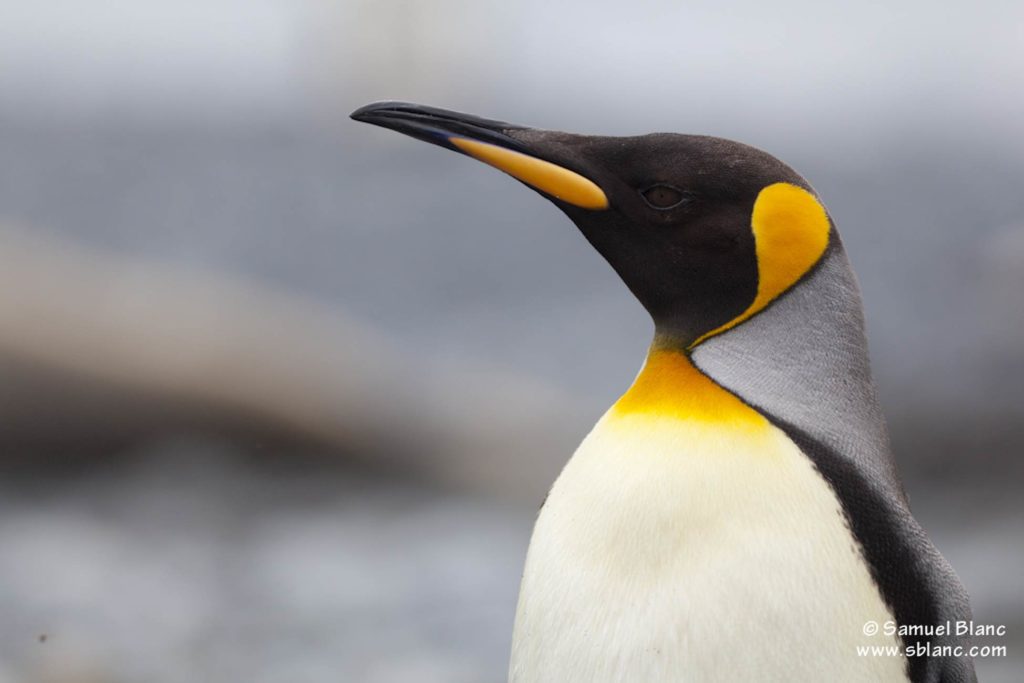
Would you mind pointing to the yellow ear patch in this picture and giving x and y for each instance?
(553, 179)
(791, 232)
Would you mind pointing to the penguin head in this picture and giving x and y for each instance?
(704, 231)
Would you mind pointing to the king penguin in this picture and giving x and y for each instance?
(736, 515)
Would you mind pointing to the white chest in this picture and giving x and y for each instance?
(671, 551)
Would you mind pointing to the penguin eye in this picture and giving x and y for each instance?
(663, 196)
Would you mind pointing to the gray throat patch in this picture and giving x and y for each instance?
(804, 360)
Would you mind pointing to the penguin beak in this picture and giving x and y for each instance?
(487, 141)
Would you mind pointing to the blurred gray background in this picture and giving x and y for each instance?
(281, 393)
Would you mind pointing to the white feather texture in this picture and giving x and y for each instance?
(674, 549)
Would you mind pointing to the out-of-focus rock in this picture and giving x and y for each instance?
(100, 347)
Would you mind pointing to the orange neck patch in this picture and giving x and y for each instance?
(791, 231)
(670, 385)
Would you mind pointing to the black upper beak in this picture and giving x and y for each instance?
(490, 142)
(437, 126)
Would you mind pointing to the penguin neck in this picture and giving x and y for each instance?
(671, 386)
(803, 363)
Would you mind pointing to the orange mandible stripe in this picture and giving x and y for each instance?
(553, 179)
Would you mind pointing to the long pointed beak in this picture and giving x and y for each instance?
(487, 141)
